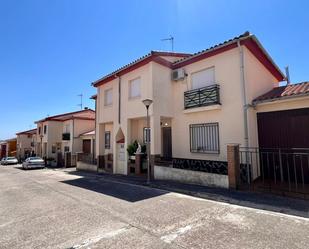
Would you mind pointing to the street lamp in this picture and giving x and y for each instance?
(147, 103)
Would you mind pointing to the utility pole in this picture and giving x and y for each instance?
(81, 101)
(171, 39)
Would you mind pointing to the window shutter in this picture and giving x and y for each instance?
(203, 78)
(135, 88)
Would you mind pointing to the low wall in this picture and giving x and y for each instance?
(86, 166)
(191, 177)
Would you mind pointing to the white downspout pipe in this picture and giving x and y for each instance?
(245, 107)
(243, 86)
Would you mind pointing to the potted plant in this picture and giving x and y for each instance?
(131, 150)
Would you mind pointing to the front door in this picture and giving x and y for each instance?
(167, 142)
(87, 146)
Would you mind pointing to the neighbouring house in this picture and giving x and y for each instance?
(86, 158)
(26, 144)
(202, 102)
(8, 147)
(58, 137)
(2, 149)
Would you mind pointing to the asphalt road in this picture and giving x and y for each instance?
(62, 209)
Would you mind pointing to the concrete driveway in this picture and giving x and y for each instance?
(61, 209)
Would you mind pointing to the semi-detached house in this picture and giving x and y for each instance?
(60, 134)
(201, 103)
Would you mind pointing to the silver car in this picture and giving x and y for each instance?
(9, 160)
(33, 162)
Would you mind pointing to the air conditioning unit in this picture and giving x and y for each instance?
(178, 74)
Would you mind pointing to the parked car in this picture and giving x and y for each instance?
(33, 162)
(9, 161)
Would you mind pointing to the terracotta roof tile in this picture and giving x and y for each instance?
(245, 34)
(292, 90)
(92, 132)
(32, 131)
(83, 114)
(152, 53)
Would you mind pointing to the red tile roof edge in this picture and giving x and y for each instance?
(247, 39)
(32, 131)
(64, 114)
(284, 92)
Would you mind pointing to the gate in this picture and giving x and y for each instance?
(283, 171)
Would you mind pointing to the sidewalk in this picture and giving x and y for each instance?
(261, 201)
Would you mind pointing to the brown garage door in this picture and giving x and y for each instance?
(284, 129)
(284, 147)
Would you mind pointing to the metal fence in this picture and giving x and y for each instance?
(276, 168)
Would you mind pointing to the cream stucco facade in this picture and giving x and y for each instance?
(26, 143)
(125, 117)
(61, 134)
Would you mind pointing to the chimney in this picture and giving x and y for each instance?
(287, 77)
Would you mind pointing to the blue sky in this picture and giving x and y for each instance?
(51, 51)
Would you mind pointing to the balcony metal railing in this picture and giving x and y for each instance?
(66, 136)
(202, 96)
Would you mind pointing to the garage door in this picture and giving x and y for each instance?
(284, 129)
(284, 147)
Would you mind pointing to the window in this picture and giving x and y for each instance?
(39, 130)
(203, 78)
(107, 137)
(45, 129)
(135, 88)
(66, 148)
(204, 138)
(146, 135)
(108, 97)
(67, 128)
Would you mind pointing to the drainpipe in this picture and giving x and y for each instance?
(72, 137)
(119, 99)
(243, 85)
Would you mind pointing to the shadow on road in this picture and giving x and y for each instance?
(120, 190)
(128, 188)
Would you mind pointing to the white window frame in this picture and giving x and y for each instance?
(207, 83)
(138, 95)
(106, 102)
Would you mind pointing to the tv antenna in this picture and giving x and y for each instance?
(171, 39)
(81, 101)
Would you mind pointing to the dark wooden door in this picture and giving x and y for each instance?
(167, 142)
(284, 129)
(87, 146)
(289, 131)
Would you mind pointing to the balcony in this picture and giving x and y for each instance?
(66, 136)
(204, 96)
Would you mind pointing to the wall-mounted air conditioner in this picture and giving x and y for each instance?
(178, 74)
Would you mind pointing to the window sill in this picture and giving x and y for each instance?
(202, 109)
(107, 106)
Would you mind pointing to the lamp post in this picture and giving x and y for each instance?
(147, 103)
